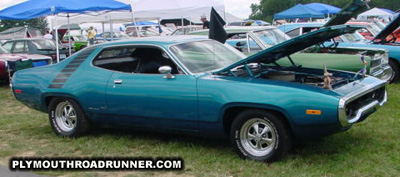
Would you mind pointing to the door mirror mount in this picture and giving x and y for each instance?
(166, 70)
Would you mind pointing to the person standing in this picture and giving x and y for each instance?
(91, 35)
(206, 23)
(48, 35)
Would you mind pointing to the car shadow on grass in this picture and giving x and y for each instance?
(165, 137)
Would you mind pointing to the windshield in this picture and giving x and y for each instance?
(379, 24)
(208, 55)
(44, 44)
(272, 37)
(3, 50)
(374, 29)
(354, 37)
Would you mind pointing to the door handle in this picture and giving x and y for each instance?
(118, 81)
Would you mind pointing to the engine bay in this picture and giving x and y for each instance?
(296, 74)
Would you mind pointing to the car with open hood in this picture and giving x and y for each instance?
(384, 40)
(198, 86)
(372, 61)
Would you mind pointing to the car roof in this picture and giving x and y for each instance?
(157, 40)
(235, 29)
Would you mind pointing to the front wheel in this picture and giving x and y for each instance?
(260, 135)
(67, 118)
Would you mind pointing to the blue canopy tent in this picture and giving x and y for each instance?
(39, 8)
(324, 8)
(299, 11)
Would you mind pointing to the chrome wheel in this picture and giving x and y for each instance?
(258, 137)
(65, 116)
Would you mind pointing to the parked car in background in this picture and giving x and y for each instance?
(186, 29)
(381, 40)
(371, 27)
(148, 30)
(78, 41)
(7, 59)
(36, 46)
(197, 86)
(344, 58)
(249, 23)
(111, 36)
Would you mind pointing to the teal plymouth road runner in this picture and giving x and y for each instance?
(198, 86)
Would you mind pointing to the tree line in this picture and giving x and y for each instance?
(266, 9)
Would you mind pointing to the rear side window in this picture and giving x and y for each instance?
(117, 59)
(8, 46)
(134, 59)
(19, 47)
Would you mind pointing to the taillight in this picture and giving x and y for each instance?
(18, 91)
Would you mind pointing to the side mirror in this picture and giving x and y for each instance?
(166, 70)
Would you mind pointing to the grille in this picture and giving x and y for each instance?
(353, 106)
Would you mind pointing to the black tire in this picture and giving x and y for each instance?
(278, 133)
(74, 124)
(396, 71)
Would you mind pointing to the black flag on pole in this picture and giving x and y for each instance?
(217, 31)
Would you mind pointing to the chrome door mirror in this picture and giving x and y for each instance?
(166, 70)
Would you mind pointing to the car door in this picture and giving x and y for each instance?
(144, 97)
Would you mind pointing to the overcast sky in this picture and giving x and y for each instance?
(239, 8)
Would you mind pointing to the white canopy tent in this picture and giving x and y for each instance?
(158, 10)
(376, 13)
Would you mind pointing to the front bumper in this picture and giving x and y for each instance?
(361, 113)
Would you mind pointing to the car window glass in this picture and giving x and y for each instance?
(132, 59)
(19, 47)
(107, 35)
(3, 51)
(8, 46)
(44, 44)
(294, 33)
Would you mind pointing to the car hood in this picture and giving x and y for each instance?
(15, 57)
(294, 45)
(388, 29)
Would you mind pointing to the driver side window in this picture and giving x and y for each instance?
(134, 59)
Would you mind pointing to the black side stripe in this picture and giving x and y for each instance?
(70, 68)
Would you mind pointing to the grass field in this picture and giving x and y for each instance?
(370, 148)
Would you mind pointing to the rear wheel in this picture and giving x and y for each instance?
(260, 135)
(396, 71)
(67, 118)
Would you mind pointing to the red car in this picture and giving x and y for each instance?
(7, 59)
